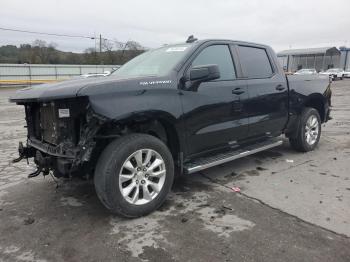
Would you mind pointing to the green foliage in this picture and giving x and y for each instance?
(39, 52)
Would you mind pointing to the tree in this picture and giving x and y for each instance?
(90, 56)
(107, 48)
(113, 52)
(129, 50)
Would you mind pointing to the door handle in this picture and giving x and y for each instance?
(237, 91)
(280, 87)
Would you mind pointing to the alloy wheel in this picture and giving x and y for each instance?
(311, 130)
(142, 176)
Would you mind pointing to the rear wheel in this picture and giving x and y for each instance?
(309, 131)
(134, 174)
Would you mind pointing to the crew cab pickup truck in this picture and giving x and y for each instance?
(174, 110)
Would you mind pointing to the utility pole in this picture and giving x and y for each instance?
(100, 43)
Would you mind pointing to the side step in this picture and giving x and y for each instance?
(214, 160)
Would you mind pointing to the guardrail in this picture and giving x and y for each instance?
(26, 74)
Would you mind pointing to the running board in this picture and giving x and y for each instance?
(207, 162)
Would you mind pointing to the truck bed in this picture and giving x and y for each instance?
(308, 83)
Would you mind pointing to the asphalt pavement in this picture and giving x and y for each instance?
(291, 206)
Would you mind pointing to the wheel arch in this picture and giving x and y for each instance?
(157, 123)
(316, 101)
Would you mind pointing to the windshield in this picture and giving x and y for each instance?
(157, 62)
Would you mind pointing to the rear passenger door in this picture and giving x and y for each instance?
(267, 106)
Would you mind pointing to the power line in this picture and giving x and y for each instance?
(100, 38)
(43, 33)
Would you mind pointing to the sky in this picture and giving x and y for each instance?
(279, 23)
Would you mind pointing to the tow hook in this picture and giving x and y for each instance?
(35, 173)
(43, 164)
(24, 152)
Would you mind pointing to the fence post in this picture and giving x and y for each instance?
(30, 75)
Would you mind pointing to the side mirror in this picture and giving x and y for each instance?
(204, 73)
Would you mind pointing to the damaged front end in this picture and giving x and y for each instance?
(60, 136)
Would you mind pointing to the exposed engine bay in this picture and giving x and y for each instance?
(60, 135)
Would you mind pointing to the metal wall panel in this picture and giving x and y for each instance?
(26, 72)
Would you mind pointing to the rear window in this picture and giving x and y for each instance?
(255, 62)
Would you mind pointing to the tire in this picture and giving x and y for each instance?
(113, 175)
(302, 142)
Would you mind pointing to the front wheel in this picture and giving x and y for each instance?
(134, 174)
(309, 131)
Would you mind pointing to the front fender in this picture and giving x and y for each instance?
(142, 105)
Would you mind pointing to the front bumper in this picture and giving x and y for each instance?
(48, 157)
(57, 151)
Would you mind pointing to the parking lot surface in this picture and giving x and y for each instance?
(292, 206)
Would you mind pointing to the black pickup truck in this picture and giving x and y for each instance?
(178, 109)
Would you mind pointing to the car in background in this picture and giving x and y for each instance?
(306, 71)
(88, 75)
(346, 73)
(334, 73)
(105, 73)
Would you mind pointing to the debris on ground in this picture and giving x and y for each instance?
(289, 160)
(236, 189)
(226, 207)
(184, 220)
(220, 211)
(180, 205)
(204, 205)
(28, 221)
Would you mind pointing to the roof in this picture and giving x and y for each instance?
(344, 48)
(201, 41)
(310, 51)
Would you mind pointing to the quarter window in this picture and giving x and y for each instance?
(254, 62)
(219, 55)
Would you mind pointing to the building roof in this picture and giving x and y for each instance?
(310, 51)
(344, 48)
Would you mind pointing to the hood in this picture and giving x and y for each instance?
(81, 87)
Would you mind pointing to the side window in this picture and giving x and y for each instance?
(254, 62)
(219, 55)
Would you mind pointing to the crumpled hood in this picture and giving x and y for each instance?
(73, 88)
